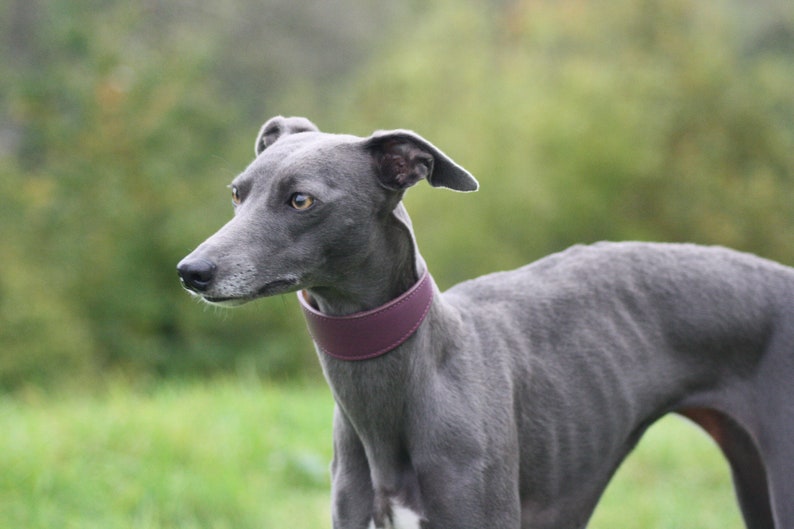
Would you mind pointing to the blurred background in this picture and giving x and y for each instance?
(125, 403)
(121, 123)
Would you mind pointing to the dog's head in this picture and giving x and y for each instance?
(311, 208)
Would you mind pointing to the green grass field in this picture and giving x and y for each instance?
(234, 455)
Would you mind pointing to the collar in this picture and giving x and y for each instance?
(372, 333)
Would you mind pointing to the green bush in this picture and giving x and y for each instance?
(122, 123)
(643, 120)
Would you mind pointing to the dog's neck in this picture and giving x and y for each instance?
(372, 395)
(391, 267)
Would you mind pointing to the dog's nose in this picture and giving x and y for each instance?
(197, 274)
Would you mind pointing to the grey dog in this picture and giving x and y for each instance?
(510, 400)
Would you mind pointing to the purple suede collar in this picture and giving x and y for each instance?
(374, 332)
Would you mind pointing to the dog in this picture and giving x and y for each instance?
(507, 401)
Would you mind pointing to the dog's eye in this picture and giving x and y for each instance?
(301, 201)
(236, 196)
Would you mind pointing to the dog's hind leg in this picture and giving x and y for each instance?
(775, 418)
(781, 485)
(747, 468)
(778, 454)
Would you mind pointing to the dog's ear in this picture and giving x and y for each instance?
(402, 158)
(280, 126)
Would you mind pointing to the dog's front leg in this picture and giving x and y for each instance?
(352, 495)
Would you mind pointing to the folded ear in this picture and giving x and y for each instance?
(402, 158)
(280, 126)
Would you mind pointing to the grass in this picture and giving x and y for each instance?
(233, 455)
(676, 478)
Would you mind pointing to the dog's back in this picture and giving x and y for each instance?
(713, 292)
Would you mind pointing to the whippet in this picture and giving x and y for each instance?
(510, 400)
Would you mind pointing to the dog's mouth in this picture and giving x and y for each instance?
(279, 286)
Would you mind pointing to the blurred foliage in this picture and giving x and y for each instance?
(670, 120)
(121, 124)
